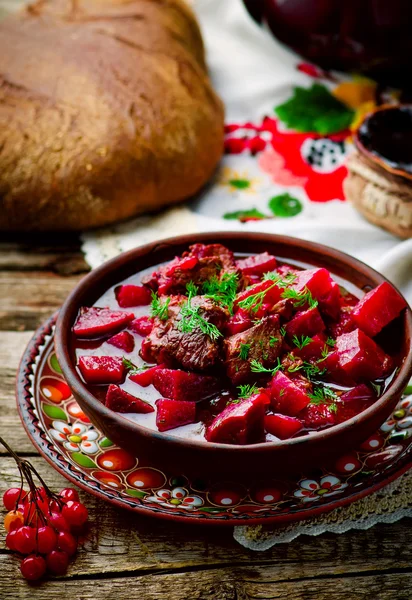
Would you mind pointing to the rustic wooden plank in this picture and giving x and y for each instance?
(27, 299)
(64, 262)
(246, 583)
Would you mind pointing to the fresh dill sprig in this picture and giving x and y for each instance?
(190, 317)
(282, 331)
(159, 309)
(132, 368)
(301, 342)
(331, 342)
(254, 301)
(244, 351)
(324, 395)
(300, 297)
(257, 367)
(222, 291)
(245, 391)
(273, 340)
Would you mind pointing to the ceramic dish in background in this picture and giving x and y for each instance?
(200, 457)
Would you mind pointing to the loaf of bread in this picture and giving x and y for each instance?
(106, 111)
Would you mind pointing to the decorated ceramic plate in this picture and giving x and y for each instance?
(73, 446)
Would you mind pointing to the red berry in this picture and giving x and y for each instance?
(25, 540)
(67, 542)
(57, 562)
(54, 506)
(59, 523)
(69, 494)
(10, 539)
(75, 513)
(33, 567)
(13, 520)
(46, 539)
(11, 497)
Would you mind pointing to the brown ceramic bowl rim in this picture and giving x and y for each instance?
(69, 310)
(374, 158)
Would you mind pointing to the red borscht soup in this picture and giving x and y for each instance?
(237, 349)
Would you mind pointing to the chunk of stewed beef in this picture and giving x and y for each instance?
(262, 343)
(193, 350)
(198, 265)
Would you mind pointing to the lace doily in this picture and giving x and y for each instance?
(389, 504)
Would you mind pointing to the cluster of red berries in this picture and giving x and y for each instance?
(43, 527)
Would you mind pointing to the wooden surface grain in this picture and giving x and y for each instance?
(130, 557)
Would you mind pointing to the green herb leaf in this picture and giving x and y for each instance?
(324, 395)
(331, 342)
(285, 205)
(132, 368)
(302, 342)
(300, 298)
(190, 317)
(257, 367)
(282, 331)
(222, 291)
(273, 340)
(245, 391)
(159, 309)
(245, 215)
(315, 110)
(244, 351)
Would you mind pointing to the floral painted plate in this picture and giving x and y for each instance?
(73, 446)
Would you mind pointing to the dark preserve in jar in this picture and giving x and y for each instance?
(237, 349)
(367, 36)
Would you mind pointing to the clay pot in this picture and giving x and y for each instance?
(379, 183)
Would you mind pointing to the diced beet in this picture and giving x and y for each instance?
(345, 324)
(146, 351)
(287, 396)
(282, 426)
(142, 325)
(123, 340)
(317, 281)
(317, 416)
(239, 322)
(330, 303)
(181, 385)
(307, 322)
(145, 377)
(183, 264)
(378, 308)
(94, 322)
(272, 296)
(360, 357)
(239, 423)
(171, 414)
(285, 270)
(257, 264)
(132, 295)
(313, 350)
(121, 401)
(102, 369)
(360, 392)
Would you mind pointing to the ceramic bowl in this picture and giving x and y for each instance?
(201, 458)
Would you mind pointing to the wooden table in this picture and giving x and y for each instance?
(128, 556)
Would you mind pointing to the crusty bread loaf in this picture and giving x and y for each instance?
(106, 111)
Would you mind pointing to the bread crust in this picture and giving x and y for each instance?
(106, 111)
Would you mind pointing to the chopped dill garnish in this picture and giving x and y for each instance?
(245, 391)
(257, 367)
(132, 368)
(300, 298)
(331, 342)
(273, 340)
(302, 342)
(159, 309)
(282, 331)
(324, 395)
(244, 351)
(190, 317)
(222, 291)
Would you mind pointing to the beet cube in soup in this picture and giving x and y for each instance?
(183, 386)
(287, 397)
(378, 308)
(239, 423)
(101, 369)
(132, 295)
(306, 322)
(95, 322)
(282, 426)
(145, 377)
(121, 401)
(318, 281)
(318, 416)
(311, 348)
(171, 414)
(257, 264)
(142, 325)
(360, 357)
(123, 340)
